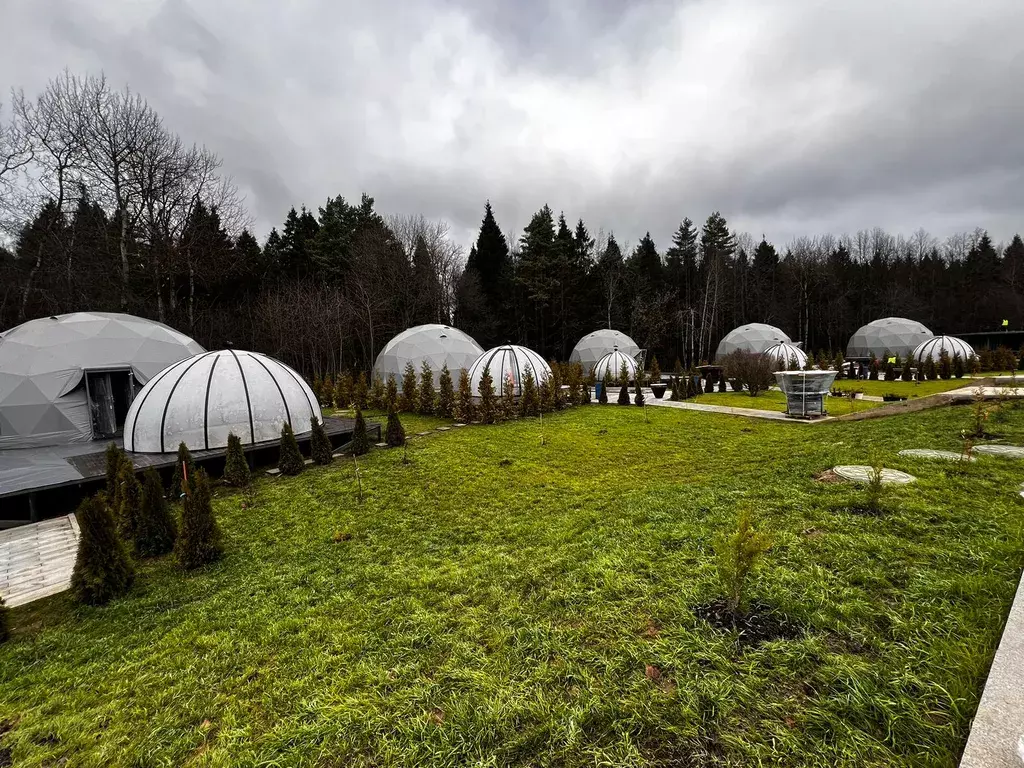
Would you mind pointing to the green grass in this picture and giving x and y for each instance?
(900, 387)
(498, 600)
(773, 400)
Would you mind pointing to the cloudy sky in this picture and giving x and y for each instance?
(791, 117)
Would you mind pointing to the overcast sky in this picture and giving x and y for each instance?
(789, 117)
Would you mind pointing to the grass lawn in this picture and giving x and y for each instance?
(524, 595)
(773, 400)
(900, 387)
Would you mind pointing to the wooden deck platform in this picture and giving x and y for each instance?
(36, 560)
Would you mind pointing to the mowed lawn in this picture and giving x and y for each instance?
(774, 400)
(524, 595)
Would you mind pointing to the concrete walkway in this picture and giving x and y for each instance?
(753, 413)
(36, 560)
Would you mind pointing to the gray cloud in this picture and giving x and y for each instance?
(791, 118)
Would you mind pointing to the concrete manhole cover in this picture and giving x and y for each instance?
(860, 473)
(930, 453)
(1007, 451)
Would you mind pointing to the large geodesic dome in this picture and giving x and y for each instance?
(786, 356)
(505, 361)
(201, 400)
(437, 345)
(71, 378)
(934, 348)
(752, 337)
(610, 366)
(596, 345)
(888, 336)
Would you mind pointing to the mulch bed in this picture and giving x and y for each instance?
(758, 623)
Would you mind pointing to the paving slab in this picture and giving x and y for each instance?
(36, 560)
(861, 473)
(1006, 451)
(932, 453)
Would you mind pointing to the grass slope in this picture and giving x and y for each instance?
(522, 595)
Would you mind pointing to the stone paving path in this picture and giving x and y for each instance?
(931, 453)
(751, 412)
(1006, 451)
(860, 473)
(36, 560)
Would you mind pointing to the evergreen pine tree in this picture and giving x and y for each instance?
(930, 369)
(391, 393)
(529, 401)
(486, 410)
(973, 365)
(508, 398)
(655, 371)
(426, 390)
(922, 371)
(721, 383)
(360, 442)
(638, 398)
(546, 395)
(464, 401)
(319, 443)
(838, 363)
(328, 392)
(290, 460)
(156, 531)
(113, 455)
(199, 541)
(129, 499)
(378, 395)
(343, 388)
(182, 470)
(445, 394)
(624, 374)
(603, 397)
(557, 394)
(958, 365)
(945, 365)
(395, 431)
(907, 374)
(317, 386)
(623, 393)
(585, 398)
(408, 400)
(236, 466)
(677, 369)
(361, 391)
(103, 570)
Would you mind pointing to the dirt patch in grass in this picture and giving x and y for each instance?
(828, 476)
(758, 623)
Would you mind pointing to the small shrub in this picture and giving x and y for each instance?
(603, 397)
(236, 466)
(677, 369)
(752, 371)
(319, 443)
(638, 397)
(103, 570)
(327, 401)
(391, 393)
(182, 469)
(655, 371)
(574, 380)
(547, 395)
(129, 501)
(290, 460)
(529, 401)
(507, 403)
(738, 554)
(487, 410)
(907, 374)
(464, 400)
(395, 431)
(874, 490)
(873, 369)
(623, 391)
(958, 366)
(585, 398)
(445, 394)
(360, 442)
(945, 365)
(426, 392)
(624, 374)
(114, 456)
(199, 541)
(721, 384)
(156, 531)
(409, 398)
(974, 365)
(343, 389)
(558, 402)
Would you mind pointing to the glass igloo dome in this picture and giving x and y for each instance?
(592, 347)
(611, 366)
(504, 361)
(201, 400)
(752, 337)
(786, 356)
(70, 378)
(887, 337)
(437, 345)
(934, 348)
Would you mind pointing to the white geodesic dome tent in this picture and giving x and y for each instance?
(504, 361)
(934, 348)
(752, 337)
(888, 336)
(786, 356)
(592, 347)
(437, 345)
(611, 366)
(70, 378)
(201, 400)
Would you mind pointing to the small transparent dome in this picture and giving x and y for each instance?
(934, 348)
(611, 366)
(508, 360)
(787, 356)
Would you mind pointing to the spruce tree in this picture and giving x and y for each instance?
(182, 471)
(624, 374)
(677, 369)
(958, 365)
(129, 499)
(907, 373)
(603, 397)
(360, 442)
(529, 401)
(236, 466)
(655, 371)
(408, 400)
(623, 394)
(395, 432)
(638, 398)
(557, 395)
(426, 390)
(361, 391)
(391, 393)
(930, 369)
(113, 455)
(945, 365)
(721, 383)
(103, 570)
(445, 394)
(156, 531)
(319, 443)
(317, 385)
(486, 410)
(290, 460)
(546, 395)
(585, 398)
(328, 392)
(508, 398)
(464, 400)
(199, 541)
(343, 390)
(922, 371)
(378, 395)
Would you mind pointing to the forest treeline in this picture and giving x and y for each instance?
(107, 209)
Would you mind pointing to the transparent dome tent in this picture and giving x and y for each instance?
(752, 337)
(201, 400)
(592, 347)
(611, 366)
(71, 378)
(934, 347)
(437, 345)
(508, 360)
(786, 356)
(886, 337)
